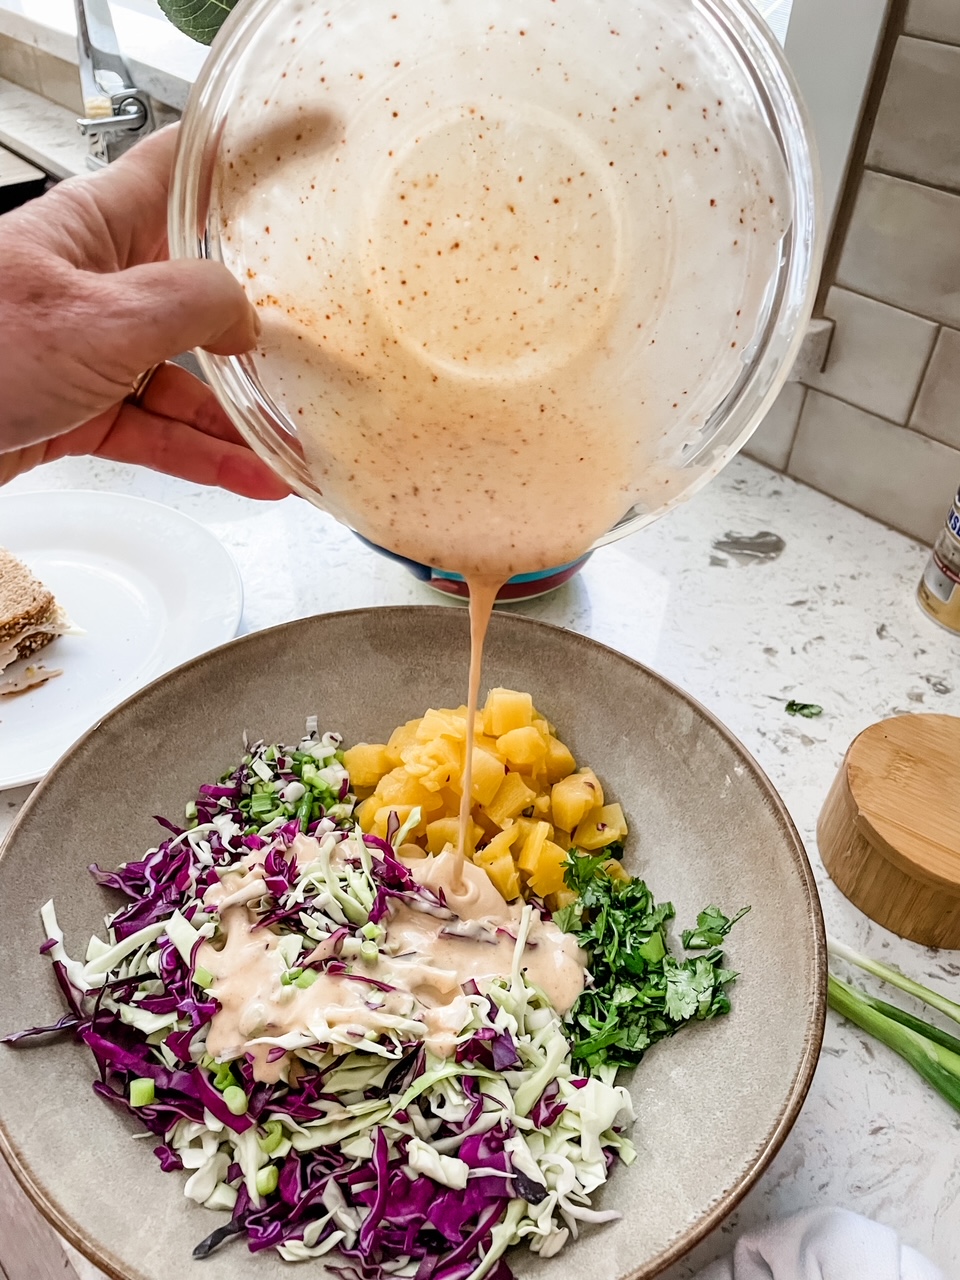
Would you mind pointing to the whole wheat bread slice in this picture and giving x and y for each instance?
(25, 603)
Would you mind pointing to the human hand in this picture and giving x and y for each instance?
(88, 302)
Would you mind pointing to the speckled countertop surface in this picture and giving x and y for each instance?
(831, 620)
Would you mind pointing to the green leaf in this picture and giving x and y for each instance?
(198, 19)
(712, 927)
(567, 919)
(580, 869)
(808, 710)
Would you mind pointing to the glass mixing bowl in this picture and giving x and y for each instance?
(680, 116)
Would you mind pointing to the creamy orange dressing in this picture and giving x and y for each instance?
(422, 958)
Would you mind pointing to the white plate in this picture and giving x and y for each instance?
(150, 587)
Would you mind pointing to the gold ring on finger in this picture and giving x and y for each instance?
(141, 384)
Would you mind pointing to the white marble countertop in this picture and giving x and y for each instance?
(833, 620)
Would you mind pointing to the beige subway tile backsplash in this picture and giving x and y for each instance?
(889, 472)
(877, 356)
(60, 82)
(18, 62)
(773, 439)
(916, 132)
(40, 72)
(934, 19)
(903, 246)
(937, 412)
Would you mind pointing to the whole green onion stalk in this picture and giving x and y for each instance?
(932, 1052)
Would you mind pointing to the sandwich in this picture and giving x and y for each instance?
(30, 619)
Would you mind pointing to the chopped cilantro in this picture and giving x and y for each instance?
(712, 927)
(640, 992)
(809, 710)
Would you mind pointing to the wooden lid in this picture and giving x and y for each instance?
(904, 779)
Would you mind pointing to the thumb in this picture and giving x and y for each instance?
(155, 312)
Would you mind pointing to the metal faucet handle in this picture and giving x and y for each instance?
(116, 113)
(129, 115)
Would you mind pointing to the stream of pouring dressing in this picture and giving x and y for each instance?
(483, 594)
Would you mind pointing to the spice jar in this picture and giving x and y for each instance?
(939, 590)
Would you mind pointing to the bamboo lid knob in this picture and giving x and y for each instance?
(889, 832)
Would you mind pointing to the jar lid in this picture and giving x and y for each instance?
(889, 833)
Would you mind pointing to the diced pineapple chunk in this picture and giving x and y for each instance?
(532, 847)
(512, 797)
(489, 829)
(366, 763)
(398, 787)
(574, 796)
(366, 812)
(559, 761)
(526, 825)
(446, 831)
(562, 898)
(442, 724)
(505, 709)
(504, 876)
(617, 871)
(600, 827)
(541, 807)
(402, 737)
(548, 875)
(488, 775)
(435, 763)
(499, 845)
(522, 748)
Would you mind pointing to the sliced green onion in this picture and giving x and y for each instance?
(289, 978)
(224, 1077)
(262, 805)
(235, 1100)
(271, 1139)
(373, 932)
(370, 952)
(267, 1179)
(203, 978)
(306, 979)
(304, 809)
(142, 1093)
(190, 812)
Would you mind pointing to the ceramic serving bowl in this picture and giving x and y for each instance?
(713, 1105)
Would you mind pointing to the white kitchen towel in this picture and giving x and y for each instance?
(822, 1244)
